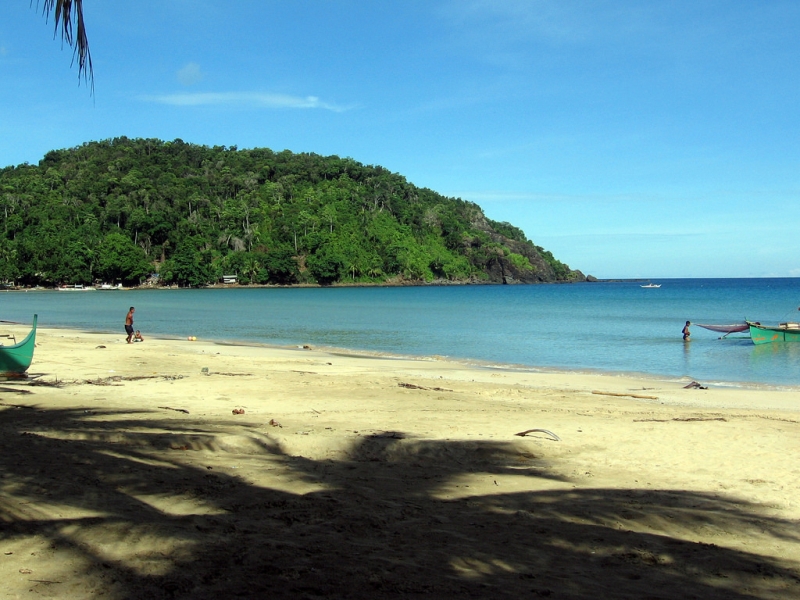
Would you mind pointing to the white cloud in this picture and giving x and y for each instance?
(190, 74)
(247, 99)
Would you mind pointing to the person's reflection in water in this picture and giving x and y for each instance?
(687, 362)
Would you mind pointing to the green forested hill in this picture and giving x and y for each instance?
(120, 210)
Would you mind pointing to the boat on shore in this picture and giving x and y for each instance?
(15, 359)
(783, 332)
(78, 287)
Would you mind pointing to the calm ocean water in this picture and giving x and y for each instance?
(616, 327)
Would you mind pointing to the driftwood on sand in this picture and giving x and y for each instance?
(180, 410)
(413, 386)
(641, 396)
(686, 419)
(547, 431)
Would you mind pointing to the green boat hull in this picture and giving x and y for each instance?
(15, 360)
(761, 334)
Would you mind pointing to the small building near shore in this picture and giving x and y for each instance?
(230, 279)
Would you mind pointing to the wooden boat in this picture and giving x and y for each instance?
(15, 360)
(784, 332)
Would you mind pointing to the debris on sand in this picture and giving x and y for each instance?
(180, 410)
(547, 431)
(641, 396)
(413, 386)
(695, 386)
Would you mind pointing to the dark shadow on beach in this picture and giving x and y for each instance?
(379, 527)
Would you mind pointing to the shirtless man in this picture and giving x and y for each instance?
(129, 324)
(686, 333)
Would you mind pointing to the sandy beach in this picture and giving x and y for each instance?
(189, 469)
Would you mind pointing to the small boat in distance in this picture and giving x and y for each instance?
(108, 286)
(15, 359)
(651, 285)
(784, 332)
(78, 287)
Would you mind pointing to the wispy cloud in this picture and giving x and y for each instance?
(546, 19)
(190, 74)
(551, 21)
(534, 197)
(783, 200)
(246, 99)
(649, 238)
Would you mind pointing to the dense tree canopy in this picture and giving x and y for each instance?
(121, 209)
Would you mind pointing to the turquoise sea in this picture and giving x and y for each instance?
(606, 326)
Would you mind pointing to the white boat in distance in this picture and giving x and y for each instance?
(75, 288)
(651, 285)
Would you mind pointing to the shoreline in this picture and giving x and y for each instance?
(724, 395)
(366, 284)
(654, 378)
(178, 469)
(583, 345)
(672, 390)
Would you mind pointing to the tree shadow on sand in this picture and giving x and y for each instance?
(91, 489)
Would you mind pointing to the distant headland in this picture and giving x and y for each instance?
(132, 211)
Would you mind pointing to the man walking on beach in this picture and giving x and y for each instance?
(129, 324)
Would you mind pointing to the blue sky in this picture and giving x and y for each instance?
(632, 139)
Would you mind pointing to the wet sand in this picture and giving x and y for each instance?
(126, 473)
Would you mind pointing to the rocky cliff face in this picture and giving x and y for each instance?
(506, 266)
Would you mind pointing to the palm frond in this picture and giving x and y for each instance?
(65, 14)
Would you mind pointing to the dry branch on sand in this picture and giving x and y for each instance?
(413, 386)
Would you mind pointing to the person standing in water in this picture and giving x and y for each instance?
(129, 324)
(686, 333)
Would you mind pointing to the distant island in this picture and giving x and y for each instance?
(135, 211)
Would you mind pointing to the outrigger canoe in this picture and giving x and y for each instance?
(785, 332)
(726, 329)
(15, 360)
